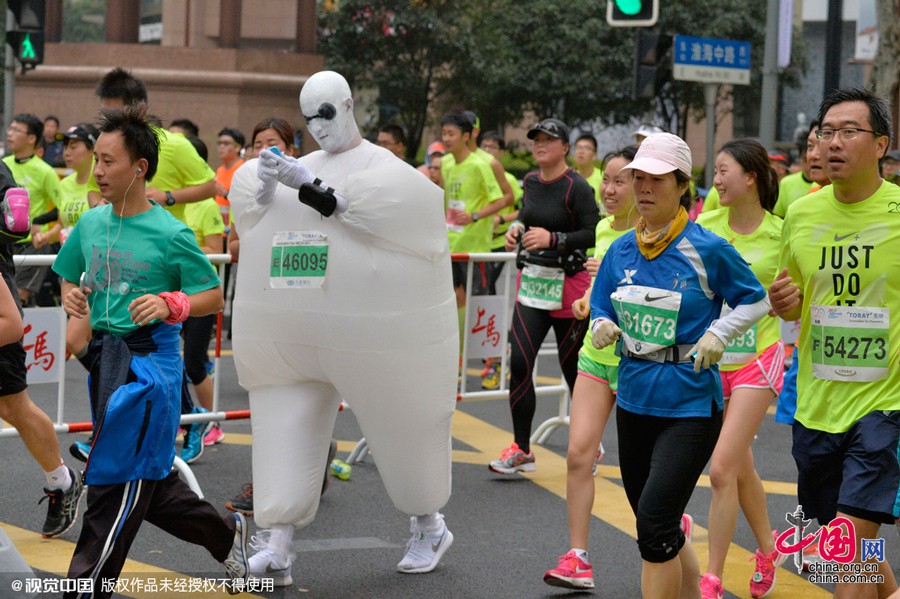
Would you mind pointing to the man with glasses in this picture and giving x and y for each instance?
(391, 138)
(42, 183)
(839, 259)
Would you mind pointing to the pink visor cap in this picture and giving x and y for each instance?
(662, 153)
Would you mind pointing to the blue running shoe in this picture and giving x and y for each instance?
(193, 438)
(80, 450)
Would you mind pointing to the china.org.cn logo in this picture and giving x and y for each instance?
(836, 543)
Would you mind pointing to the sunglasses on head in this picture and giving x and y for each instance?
(326, 111)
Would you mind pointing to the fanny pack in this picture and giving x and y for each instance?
(673, 354)
(571, 263)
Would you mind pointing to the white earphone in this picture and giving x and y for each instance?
(140, 170)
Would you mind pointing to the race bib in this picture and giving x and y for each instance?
(647, 316)
(741, 350)
(299, 260)
(542, 287)
(454, 208)
(850, 343)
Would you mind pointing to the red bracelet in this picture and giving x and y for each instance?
(179, 306)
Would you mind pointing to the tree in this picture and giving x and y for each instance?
(83, 21)
(409, 50)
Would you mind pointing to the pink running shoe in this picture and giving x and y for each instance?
(687, 527)
(513, 460)
(571, 573)
(763, 580)
(213, 437)
(711, 587)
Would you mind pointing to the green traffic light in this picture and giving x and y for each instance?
(629, 7)
(27, 48)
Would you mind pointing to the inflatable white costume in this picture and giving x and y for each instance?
(344, 306)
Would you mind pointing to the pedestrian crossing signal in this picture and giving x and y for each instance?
(28, 47)
(632, 13)
(26, 37)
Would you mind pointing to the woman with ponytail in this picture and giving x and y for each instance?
(752, 367)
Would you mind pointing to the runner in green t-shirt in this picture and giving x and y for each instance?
(42, 183)
(840, 248)
(799, 184)
(183, 176)
(73, 202)
(585, 156)
(795, 185)
(752, 367)
(493, 143)
(205, 220)
(471, 198)
(596, 383)
(73, 198)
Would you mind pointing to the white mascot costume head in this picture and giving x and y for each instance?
(343, 307)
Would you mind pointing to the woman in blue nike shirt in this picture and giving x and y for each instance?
(661, 291)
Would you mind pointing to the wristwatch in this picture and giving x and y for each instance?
(561, 239)
(474, 217)
(170, 199)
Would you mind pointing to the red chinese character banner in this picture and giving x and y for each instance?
(486, 324)
(45, 344)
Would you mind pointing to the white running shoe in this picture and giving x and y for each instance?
(236, 563)
(266, 563)
(424, 549)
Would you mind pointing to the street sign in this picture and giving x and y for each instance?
(710, 60)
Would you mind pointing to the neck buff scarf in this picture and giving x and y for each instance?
(652, 243)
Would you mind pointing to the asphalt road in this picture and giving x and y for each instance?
(508, 530)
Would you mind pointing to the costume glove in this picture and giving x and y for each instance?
(284, 169)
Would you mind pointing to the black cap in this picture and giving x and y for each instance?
(83, 132)
(552, 127)
(893, 155)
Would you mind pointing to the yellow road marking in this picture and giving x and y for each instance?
(54, 555)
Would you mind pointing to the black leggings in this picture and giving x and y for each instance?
(661, 460)
(197, 331)
(529, 328)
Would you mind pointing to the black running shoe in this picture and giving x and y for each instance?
(63, 509)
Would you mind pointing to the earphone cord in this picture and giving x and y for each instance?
(110, 246)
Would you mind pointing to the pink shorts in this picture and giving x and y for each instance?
(765, 372)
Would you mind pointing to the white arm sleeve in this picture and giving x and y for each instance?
(739, 320)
